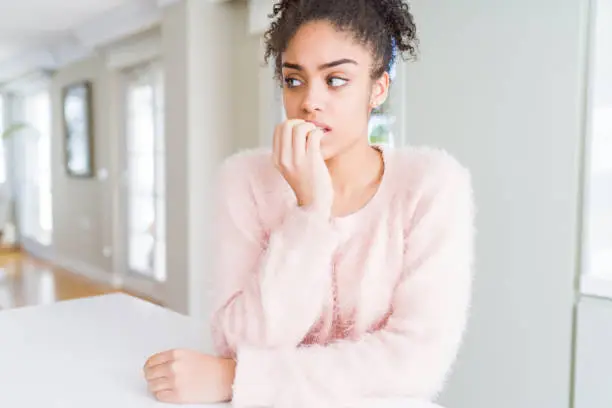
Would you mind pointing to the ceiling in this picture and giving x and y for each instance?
(28, 24)
(43, 35)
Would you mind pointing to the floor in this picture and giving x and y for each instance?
(25, 281)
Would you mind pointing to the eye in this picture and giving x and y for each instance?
(337, 82)
(292, 82)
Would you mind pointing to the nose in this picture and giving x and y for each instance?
(313, 99)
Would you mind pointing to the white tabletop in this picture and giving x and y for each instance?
(90, 352)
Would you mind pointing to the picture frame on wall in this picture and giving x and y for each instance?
(78, 129)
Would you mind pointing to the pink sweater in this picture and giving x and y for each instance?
(324, 312)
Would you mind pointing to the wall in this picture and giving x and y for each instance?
(210, 60)
(247, 66)
(501, 85)
(211, 111)
(82, 212)
(594, 355)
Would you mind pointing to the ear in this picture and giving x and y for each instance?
(380, 90)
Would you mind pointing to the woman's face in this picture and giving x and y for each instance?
(327, 80)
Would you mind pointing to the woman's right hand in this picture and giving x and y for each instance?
(297, 155)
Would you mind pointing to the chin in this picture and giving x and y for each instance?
(327, 155)
(327, 151)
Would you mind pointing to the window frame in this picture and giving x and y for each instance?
(151, 68)
(592, 283)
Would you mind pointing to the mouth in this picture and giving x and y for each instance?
(325, 128)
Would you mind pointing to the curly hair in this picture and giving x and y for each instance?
(386, 26)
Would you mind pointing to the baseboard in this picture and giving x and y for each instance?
(86, 270)
(48, 254)
(138, 286)
(143, 287)
(133, 285)
(38, 250)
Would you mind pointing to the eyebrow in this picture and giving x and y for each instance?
(321, 67)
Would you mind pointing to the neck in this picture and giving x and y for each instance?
(359, 166)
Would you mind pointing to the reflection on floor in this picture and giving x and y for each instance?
(25, 281)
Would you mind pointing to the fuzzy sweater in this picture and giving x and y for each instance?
(321, 312)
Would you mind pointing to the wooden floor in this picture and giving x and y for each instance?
(25, 281)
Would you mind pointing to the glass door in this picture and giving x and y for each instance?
(37, 194)
(144, 174)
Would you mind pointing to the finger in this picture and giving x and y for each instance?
(160, 384)
(159, 371)
(169, 396)
(278, 131)
(159, 358)
(300, 133)
(313, 144)
(286, 144)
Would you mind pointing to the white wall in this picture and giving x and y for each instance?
(501, 85)
(594, 354)
(82, 208)
(199, 125)
(212, 72)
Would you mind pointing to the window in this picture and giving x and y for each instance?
(598, 212)
(3, 127)
(37, 156)
(382, 125)
(145, 195)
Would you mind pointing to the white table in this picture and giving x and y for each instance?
(90, 353)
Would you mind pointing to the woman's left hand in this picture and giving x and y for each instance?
(189, 377)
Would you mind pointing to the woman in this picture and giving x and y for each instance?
(345, 269)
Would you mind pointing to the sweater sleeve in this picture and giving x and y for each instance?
(270, 286)
(412, 354)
